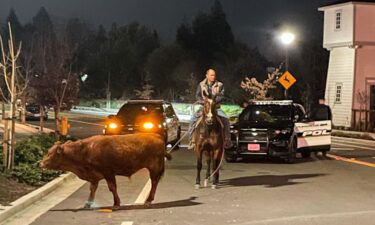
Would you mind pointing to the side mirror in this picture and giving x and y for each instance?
(111, 117)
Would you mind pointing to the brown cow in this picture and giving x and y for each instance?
(103, 157)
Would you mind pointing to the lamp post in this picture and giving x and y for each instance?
(287, 38)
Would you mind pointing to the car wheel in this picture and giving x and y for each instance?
(291, 158)
(230, 158)
(306, 155)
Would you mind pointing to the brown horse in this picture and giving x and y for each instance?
(209, 139)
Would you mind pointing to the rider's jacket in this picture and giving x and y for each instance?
(215, 89)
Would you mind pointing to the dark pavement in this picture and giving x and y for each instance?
(253, 191)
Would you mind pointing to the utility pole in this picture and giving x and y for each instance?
(109, 91)
(286, 68)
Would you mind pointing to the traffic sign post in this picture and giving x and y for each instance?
(287, 80)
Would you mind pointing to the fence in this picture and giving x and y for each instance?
(363, 120)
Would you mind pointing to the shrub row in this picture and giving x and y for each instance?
(28, 153)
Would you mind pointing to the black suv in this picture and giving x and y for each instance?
(150, 116)
(277, 128)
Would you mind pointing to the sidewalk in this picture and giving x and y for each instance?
(354, 134)
(24, 130)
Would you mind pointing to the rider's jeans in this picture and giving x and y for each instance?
(224, 118)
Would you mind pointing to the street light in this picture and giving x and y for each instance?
(287, 38)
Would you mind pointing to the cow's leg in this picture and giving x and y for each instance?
(112, 186)
(199, 168)
(93, 188)
(155, 177)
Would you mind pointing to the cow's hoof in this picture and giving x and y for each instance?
(148, 203)
(214, 186)
(89, 205)
(205, 183)
(197, 186)
(116, 207)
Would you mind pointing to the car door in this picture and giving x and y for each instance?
(171, 122)
(311, 134)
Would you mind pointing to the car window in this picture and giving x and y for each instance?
(298, 110)
(131, 112)
(169, 112)
(266, 114)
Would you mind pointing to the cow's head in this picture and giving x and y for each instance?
(54, 158)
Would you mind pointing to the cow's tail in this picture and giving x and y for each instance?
(168, 156)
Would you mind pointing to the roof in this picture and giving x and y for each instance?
(344, 2)
(145, 102)
(272, 102)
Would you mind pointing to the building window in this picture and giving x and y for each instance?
(338, 93)
(338, 20)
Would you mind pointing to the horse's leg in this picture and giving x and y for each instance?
(217, 160)
(208, 172)
(199, 168)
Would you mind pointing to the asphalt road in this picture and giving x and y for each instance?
(339, 190)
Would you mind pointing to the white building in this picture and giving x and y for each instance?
(349, 35)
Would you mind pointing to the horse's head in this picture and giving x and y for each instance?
(209, 110)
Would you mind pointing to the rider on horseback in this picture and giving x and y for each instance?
(210, 87)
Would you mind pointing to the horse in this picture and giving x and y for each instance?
(209, 139)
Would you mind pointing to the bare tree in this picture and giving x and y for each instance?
(15, 83)
(57, 85)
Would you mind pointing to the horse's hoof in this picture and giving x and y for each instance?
(214, 186)
(197, 186)
(205, 182)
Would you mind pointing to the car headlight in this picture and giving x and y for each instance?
(283, 131)
(148, 125)
(233, 131)
(112, 125)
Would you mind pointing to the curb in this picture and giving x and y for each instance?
(27, 200)
(354, 134)
(34, 127)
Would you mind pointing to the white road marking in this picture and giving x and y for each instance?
(142, 197)
(127, 223)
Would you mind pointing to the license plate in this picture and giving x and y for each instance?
(253, 147)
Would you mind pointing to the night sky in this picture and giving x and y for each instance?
(250, 19)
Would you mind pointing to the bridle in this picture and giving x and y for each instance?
(209, 111)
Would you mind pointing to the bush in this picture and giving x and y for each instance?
(28, 154)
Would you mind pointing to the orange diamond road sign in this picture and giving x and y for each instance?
(287, 80)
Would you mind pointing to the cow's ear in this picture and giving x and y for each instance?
(60, 149)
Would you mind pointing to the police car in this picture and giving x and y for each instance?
(277, 129)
